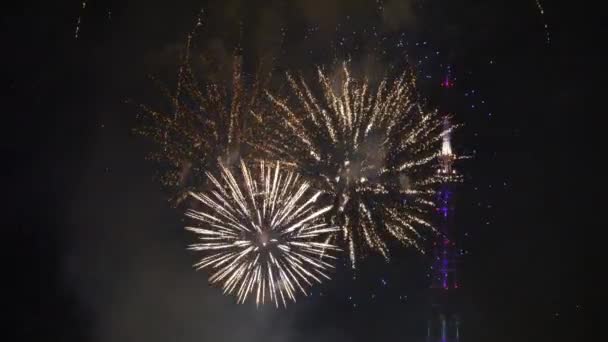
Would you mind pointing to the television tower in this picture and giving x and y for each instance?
(444, 321)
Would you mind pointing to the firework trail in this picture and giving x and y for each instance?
(262, 237)
(79, 19)
(371, 148)
(541, 11)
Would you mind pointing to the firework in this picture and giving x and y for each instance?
(263, 236)
(370, 146)
(207, 121)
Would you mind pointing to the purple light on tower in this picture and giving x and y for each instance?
(447, 80)
(444, 276)
(444, 314)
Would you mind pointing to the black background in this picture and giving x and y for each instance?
(95, 253)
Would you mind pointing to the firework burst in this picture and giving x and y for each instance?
(370, 146)
(207, 121)
(262, 237)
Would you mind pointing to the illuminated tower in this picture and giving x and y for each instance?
(444, 322)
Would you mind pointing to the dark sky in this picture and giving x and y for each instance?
(95, 252)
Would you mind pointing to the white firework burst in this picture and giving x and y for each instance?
(262, 235)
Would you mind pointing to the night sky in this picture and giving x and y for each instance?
(96, 253)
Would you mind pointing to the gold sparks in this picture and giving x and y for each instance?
(262, 235)
(370, 146)
(207, 120)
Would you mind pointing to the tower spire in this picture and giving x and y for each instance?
(446, 156)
